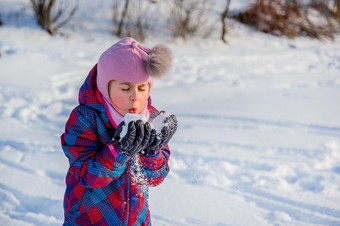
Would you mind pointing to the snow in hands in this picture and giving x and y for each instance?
(162, 120)
(130, 118)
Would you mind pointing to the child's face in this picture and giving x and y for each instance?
(128, 97)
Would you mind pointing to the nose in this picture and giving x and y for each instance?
(134, 95)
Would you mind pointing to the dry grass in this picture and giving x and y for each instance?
(290, 18)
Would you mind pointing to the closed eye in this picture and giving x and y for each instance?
(142, 88)
(125, 88)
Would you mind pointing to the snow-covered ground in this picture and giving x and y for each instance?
(259, 123)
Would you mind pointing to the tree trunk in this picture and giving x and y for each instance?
(223, 16)
(337, 12)
(121, 23)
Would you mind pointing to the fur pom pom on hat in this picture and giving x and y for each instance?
(159, 61)
(129, 61)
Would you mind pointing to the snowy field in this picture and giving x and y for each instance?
(259, 123)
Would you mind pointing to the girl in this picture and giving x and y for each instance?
(110, 172)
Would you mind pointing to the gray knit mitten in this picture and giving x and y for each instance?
(137, 138)
(168, 130)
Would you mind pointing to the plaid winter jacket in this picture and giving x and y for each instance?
(103, 186)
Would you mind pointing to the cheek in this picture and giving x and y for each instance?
(144, 99)
(119, 101)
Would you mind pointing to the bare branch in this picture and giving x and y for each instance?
(44, 10)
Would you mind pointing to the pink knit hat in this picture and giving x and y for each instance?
(129, 61)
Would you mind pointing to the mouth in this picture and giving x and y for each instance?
(133, 110)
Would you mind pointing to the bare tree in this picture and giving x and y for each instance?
(131, 18)
(51, 18)
(188, 17)
(223, 18)
(123, 18)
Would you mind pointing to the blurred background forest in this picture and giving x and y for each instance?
(186, 18)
